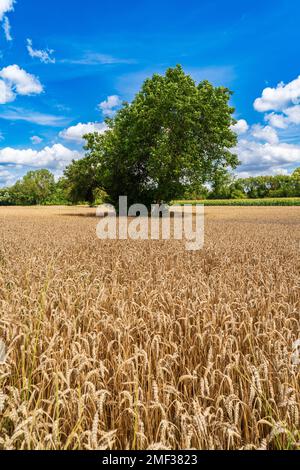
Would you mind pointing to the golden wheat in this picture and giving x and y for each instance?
(144, 345)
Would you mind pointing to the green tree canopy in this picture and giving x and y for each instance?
(174, 134)
(34, 188)
(296, 173)
(82, 179)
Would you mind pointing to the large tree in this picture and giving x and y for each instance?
(81, 179)
(173, 135)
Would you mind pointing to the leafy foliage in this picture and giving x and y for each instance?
(174, 135)
(279, 186)
(296, 173)
(269, 186)
(81, 178)
(35, 188)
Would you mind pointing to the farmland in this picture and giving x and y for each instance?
(144, 345)
(287, 201)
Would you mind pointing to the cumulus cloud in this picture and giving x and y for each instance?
(56, 157)
(280, 171)
(16, 81)
(20, 81)
(6, 178)
(288, 116)
(277, 99)
(276, 120)
(267, 133)
(281, 104)
(6, 93)
(268, 172)
(293, 114)
(76, 133)
(240, 127)
(44, 56)
(257, 156)
(5, 7)
(35, 139)
(108, 106)
(262, 149)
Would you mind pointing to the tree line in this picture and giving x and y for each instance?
(40, 188)
(173, 141)
(257, 187)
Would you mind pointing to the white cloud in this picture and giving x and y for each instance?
(267, 133)
(76, 133)
(240, 127)
(20, 114)
(35, 139)
(56, 156)
(20, 81)
(277, 99)
(280, 171)
(4, 174)
(276, 120)
(6, 93)
(16, 81)
(44, 56)
(262, 150)
(108, 106)
(268, 172)
(293, 114)
(95, 58)
(288, 116)
(258, 157)
(6, 178)
(7, 29)
(5, 7)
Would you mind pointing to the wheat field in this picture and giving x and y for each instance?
(143, 345)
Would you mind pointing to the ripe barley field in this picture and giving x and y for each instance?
(144, 345)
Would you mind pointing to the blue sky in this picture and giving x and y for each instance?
(66, 64)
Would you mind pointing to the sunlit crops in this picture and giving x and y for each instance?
(283, 201)
(143, 345)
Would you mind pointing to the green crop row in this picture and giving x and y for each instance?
(244, 202)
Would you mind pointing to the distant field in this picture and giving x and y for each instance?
(129, 344)
(289, 201)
